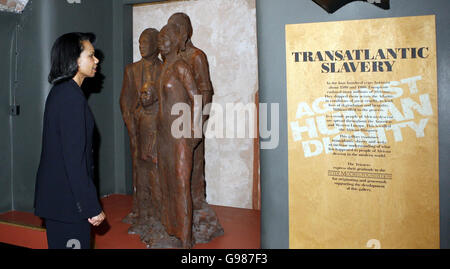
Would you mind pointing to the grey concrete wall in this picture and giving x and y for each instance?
(272, 16)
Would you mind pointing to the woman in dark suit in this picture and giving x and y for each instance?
(65, 195)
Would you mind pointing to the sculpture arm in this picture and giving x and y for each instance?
(202, 76)
(187, 79)
(127, 105)
(185, 76)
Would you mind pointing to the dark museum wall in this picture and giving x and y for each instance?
(40, 24)
(44, 20)
(7, 29)
(20, 136)
(272, 16)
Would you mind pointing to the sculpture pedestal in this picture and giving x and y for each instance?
(205, 228)
(206, 225)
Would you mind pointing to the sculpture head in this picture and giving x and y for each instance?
(148, 42)
(169, 41)
(72, 54)
(184, 22)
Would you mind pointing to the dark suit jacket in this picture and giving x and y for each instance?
(64, 188)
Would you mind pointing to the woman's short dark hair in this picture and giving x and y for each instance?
(65, 52)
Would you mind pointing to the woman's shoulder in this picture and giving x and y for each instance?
(67, 84)
(67, 91)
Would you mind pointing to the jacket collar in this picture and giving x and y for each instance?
(75, 85)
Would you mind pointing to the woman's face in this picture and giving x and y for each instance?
(165, 44)
(87, 63)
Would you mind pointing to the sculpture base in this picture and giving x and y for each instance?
(130, 218)
(205, 228)
(206, 225)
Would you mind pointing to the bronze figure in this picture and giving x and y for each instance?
(138, 102)
(206, 224)
(169, 199)
(175, 155)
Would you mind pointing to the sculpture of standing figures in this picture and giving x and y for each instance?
(138, 102)
(169, 199)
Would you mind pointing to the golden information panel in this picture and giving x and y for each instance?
(363, 134)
